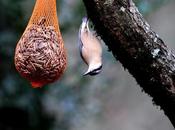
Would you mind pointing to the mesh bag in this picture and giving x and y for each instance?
(40, 55)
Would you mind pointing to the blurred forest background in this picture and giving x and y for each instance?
(110, 101)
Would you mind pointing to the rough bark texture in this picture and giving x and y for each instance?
(138, 48)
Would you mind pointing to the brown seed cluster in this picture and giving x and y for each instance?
(40, 56)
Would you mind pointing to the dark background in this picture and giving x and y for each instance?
(109, 101)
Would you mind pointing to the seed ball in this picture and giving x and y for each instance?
(40, 56)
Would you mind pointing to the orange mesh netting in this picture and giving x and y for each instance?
(40, 56)
(46, 9)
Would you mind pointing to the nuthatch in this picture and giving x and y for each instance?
(90, 48)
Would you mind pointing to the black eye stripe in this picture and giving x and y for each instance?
(96, 71)
(98, 68)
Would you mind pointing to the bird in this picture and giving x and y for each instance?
(90, 48)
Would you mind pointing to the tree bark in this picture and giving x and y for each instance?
(138, 48)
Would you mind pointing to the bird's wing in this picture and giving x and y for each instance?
(80, 45)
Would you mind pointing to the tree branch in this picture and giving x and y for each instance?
(138, 48)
